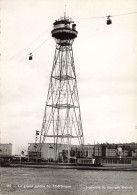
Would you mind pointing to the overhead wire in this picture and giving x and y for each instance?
(41, 45)
(88, 18)
(29, 44)
(124, 14)
(35, 49)
(129, 13)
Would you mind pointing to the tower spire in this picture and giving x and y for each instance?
(65, 12)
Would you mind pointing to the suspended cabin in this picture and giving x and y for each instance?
(109, 21)
(30, 56)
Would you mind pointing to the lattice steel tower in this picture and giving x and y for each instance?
(62, 117)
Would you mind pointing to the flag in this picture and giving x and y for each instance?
(50, 146)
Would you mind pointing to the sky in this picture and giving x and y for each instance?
(105, 61)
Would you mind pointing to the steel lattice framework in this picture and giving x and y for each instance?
(62, 116)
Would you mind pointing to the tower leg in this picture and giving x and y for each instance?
(62, 117)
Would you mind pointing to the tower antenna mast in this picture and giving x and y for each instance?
(65, 12)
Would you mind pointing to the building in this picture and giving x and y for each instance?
(80, 151)
(47, 152)
(5, 149)
(106, 154)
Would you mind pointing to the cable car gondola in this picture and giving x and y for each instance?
(109, 21)
(30, 56)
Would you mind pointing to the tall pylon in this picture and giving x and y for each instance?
(62, 122)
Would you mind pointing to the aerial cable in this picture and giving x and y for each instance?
(124, 14)
(31, 56)
(109, 21)
(29, 44)
(41, 44)
(98, 17)
(35, 49)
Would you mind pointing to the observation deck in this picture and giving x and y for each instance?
(64, 29)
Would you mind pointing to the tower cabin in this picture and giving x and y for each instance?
(64, 30)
